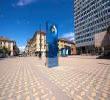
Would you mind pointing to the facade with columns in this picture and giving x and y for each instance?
(36, 44)
(8, 44)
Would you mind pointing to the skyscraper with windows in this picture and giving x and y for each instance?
(90, 17)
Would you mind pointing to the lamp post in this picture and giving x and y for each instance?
(40, 42)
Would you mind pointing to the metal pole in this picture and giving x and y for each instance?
(46, 62)
(40, 42)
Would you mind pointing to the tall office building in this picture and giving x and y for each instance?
(91, 17)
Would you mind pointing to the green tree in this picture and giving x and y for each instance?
(1, 49)
(6, 50)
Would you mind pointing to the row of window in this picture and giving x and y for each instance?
(95, 24)
(83, 36)
(90, 5)
(92, 16)
(91, 31)
(85, 40)
(102, 10)
(4, 43)
(91, 26)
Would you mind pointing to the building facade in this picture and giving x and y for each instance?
(38, 43)
(10, 45)
(91, 17)
(66, 44)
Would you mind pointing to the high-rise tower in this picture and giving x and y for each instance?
(90, 17)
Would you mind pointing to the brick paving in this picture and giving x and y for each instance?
(77, 78)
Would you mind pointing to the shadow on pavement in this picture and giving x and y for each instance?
(2, 58)
(103, 57)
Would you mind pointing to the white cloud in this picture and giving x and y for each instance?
(22, 48)
(24, 2)
(69, 36)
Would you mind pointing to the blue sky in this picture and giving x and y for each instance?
(19, 19)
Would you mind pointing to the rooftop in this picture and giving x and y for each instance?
(5, 39)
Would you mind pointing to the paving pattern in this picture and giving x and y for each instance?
(17, 82)
(77, 78)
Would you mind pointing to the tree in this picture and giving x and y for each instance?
(1, 49)
(6, 50)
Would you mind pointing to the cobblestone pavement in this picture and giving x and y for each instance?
(77, 78)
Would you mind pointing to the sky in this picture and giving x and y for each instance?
(19, 19)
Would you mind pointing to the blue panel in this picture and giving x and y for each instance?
(52, 43)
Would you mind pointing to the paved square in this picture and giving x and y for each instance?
(77, 78)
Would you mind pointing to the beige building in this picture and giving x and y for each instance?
(33, 45)
(102, 41)
(9, 44)
(64, 43)
(36, 44)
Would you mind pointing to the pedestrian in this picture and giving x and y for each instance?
(40, 55)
